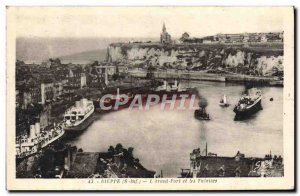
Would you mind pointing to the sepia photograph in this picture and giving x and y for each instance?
(150, 98)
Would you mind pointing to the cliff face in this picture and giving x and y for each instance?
(256, 60)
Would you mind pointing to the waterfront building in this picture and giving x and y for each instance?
(83, 166)
(74, 77)
(47, 92)
(212, 165)
(58, 89)
(274, 37)
(234, 38)
(44, 116)
(254, 37)
(82, 80)
(280, 36)
(246, 37)
(165, 37)
(192, 40)
(28, 93)
(100, 74)
(263, 38)
(221, 38)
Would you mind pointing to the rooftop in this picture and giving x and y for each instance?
(84, 165)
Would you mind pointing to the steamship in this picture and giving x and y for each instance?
(114, 102)
(248, 104)
(79, 117)
(27, 145)
(171, 88)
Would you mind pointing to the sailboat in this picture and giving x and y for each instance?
(223, 102)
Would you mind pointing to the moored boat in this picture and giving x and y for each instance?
(172, 88)
(114, 102)
(79, 117)
(27, 145)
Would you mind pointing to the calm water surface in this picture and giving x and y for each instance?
(164, 139)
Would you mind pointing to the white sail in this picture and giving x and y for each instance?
(224, 99)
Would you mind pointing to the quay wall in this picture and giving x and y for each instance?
(204, 76)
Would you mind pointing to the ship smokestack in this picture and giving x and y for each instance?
(32, 131)
(37, 128)
(106, 76)
(118, 92)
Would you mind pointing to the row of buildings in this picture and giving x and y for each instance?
(42, 85)
(65, 161)
(235, 38)
(211, 165)
(165, 38)
(44, 90)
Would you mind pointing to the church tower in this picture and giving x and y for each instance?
(165, 37)
(164, 30)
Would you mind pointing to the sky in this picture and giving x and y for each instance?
(48, 32)
(81, 22)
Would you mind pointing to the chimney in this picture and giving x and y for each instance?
(106, 76)
(118, 92)
(37, 128)
(32, 131)
(206, 149)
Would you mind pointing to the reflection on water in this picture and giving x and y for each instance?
(164, 139)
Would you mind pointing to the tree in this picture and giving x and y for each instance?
(119, 148)
(130, 151)
(111, 150)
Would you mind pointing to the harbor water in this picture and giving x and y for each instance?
(163, 140)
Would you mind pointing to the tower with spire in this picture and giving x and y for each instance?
(165, 37)
(164, 28)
